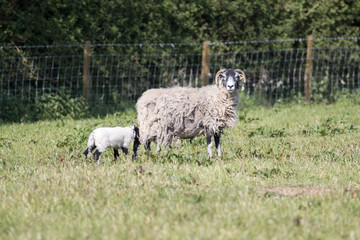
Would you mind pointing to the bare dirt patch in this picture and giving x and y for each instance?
(297, 191)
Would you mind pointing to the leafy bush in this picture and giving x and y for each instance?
(56, 106)
(46, 107)
(11, 110)
(331, 126)
(76, 137)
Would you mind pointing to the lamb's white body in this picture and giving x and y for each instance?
(182, 112)
(115, 137)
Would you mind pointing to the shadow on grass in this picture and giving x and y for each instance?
(199, 159)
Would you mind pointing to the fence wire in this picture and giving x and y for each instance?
(273, 75)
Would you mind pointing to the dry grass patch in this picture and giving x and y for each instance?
(297, 191)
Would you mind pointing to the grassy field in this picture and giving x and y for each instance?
(287, 172)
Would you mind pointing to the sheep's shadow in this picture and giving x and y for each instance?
(174, 156)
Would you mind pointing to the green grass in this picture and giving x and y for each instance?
(287, 172)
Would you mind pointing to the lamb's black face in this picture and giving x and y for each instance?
(230, 79)
(136, 131)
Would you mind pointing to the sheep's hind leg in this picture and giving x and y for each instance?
(217, 143)
(97, 154)
(158, 148)
(209, 143)
(147, 146)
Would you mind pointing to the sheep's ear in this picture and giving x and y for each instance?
(242, 75)
(221, 71)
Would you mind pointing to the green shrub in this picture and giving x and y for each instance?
(11, 110)
(57, 106)
(46, 107)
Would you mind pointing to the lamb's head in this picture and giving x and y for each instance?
(230, 80)
(135, 130)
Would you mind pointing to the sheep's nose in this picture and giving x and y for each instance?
(230, 86)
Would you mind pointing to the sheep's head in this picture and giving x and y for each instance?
(230, 79)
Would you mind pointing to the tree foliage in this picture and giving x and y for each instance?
(46, 22)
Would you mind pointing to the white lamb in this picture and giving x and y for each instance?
(165, 115)
(116, 137)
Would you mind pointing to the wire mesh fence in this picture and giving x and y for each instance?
(119, 74)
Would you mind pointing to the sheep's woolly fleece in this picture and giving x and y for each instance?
(183, 112)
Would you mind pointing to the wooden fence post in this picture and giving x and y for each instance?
(86, 71)
(205, 68)
(308, 69)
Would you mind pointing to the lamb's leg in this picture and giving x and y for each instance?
(125, 150)
(217, 143)
(86, 152)
(88, 149)
(209, 143)
(116, 154)
(97, 154)
(135, 148)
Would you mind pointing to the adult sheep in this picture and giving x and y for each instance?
(182, 112)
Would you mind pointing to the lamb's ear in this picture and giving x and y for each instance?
(242, 75)
(217, 76)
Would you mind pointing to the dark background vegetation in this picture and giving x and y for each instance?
(68, 22)
(49, 22)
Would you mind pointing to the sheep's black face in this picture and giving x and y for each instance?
(230, 79)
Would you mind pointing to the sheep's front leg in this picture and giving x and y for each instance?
(217, 143)
(209, 143)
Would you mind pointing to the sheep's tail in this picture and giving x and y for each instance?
(90, 145)
(91, 141)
